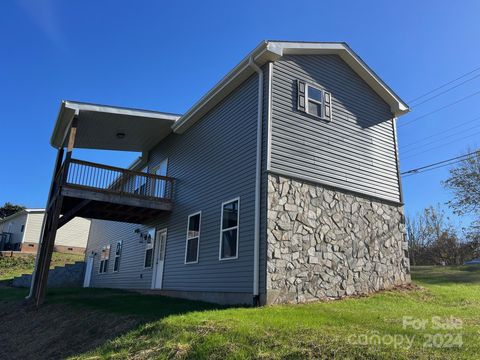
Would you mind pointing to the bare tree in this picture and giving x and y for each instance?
(433, 240)
(464, 181)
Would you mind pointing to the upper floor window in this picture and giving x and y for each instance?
(118, 254)
(314, 101)
(193, 238)
(229, 229)
(160, 186)
(22, 228)
(140, 183)
(104, 257)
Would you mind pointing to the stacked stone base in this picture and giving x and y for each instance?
(325, 244)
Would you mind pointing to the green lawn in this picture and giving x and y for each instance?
(338, 329)
(16, 266)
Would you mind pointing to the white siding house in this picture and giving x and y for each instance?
(21, 232)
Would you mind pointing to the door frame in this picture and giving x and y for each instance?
(156, 253)
(90, 259)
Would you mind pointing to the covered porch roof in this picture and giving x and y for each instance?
(111, 127)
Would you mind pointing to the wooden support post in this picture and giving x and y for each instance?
(52, 216)
(47, 249)
(58, 164)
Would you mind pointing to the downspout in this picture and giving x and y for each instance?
(258, 175)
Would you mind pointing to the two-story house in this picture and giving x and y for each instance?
(281, 184)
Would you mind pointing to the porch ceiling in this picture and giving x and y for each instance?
(101, 127)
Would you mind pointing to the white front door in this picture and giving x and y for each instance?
(88, 272)
(159, 258)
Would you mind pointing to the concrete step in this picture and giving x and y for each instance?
(70, 275)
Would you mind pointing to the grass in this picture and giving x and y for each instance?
(172, 328)
(11, 267)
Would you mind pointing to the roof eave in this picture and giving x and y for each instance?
(271, 51)
(261, 54)
(68, 109)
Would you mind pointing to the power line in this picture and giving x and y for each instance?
(404, 151)
(432, 168)
(444, 92)
(444, 85)
(439, 109)
(441, 133)
(439, 164)
(442, 145)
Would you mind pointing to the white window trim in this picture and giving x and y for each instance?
(145, 170)
(187, 238)
(155, 168)
(153, 251)
(117, 256)
(233, 227)
(321, 103)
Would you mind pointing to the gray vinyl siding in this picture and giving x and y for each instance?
(355, 151)
(131, 274)
(212, 162)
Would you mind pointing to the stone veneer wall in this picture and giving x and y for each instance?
(327, 244)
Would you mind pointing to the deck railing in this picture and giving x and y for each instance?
(109, 179)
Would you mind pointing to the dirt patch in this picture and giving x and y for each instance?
(55, 331)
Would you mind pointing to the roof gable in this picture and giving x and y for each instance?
(273, 50)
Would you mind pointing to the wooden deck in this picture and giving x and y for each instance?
(105, 192)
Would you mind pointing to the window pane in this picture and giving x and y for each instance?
(314, 109)
(116, 264)
(314, 94)
(229, 243)
(194, 226)
(148, 258)
(192, 246)
(230, 215)
(105, 266)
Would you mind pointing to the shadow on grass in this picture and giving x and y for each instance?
(438, 275)
(127, 302)
(75, 321)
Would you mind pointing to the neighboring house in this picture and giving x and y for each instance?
(21, 232)
(280, 185)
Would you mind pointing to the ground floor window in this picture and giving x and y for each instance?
(104, 257)
(118, 254)
(193, 238)
(229, 229)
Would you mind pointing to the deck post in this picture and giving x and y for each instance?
(52, 216)
(58, 164)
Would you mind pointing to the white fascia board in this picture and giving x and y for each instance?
(68, 109)
(397, 105)
(79, 106)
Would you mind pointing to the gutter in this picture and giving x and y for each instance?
(258, 174)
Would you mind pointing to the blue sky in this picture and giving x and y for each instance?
(165, 55)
